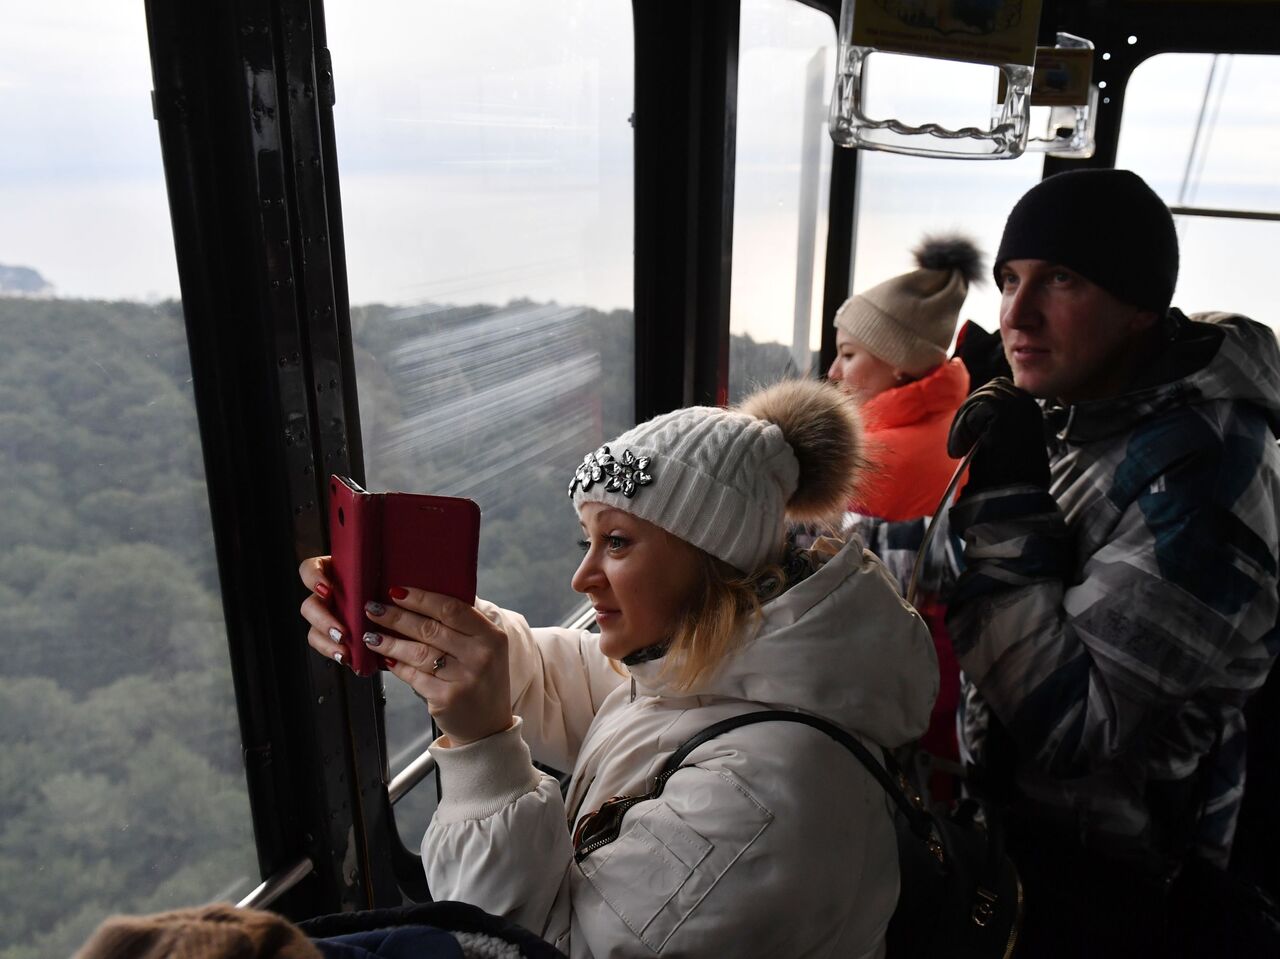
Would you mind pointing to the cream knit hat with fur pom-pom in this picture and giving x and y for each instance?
(727, 480)
(908, 321)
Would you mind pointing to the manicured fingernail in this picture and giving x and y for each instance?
(337, 658)
(322, 590)
(374, 609)
(372, 639)
(335, 634)
(397, 592)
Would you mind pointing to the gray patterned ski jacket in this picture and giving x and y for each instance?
(1117, 623)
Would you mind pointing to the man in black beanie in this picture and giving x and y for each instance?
(1119, 601)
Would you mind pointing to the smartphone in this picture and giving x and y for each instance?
(380, 540)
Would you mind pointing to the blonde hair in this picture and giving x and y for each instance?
(713, 625)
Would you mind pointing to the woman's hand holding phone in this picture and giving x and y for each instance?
(454, 658)
(326, 636)
(451, 656)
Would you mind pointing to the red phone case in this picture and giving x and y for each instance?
(379, 540)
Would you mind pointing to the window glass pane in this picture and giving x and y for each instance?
(121, 783)
(786, 68)
(485, 155)
(1204, 131)
(1224, 264)
(901, 199)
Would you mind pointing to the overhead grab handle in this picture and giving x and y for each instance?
(913, 34)
(1064, 99)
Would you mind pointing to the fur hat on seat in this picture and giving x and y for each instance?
(726, 480)
(218, 931)
(908, 321)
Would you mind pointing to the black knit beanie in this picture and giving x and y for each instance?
(1107, 225)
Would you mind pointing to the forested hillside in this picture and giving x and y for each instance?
(121, 786)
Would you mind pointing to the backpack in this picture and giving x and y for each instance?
(960, 893)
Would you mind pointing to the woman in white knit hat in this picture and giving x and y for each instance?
(891, 356)
(770, 840)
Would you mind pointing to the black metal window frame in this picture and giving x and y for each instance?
(243, 96)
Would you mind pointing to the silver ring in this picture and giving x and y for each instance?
(438, 663)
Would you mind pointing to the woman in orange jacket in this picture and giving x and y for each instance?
(891, 358)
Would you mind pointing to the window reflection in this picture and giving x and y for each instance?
(487, 194)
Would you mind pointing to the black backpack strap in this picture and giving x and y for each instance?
(890, 778)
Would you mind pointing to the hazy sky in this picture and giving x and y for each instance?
(481, 164)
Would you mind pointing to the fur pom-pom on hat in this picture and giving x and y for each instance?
(726, 480)
(823, 430)
(951, 252)
(908, 321)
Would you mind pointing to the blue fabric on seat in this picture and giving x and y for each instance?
(407, 942)
(451, 917)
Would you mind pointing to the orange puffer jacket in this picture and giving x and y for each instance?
(906, 441)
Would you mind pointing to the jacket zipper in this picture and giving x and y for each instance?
(1017, 920)
(654, 793)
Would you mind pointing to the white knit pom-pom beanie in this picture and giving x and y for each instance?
(726, 480)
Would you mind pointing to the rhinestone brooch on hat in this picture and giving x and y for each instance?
(624, 474)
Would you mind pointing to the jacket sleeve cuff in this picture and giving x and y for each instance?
(480, 778)
(999, 505)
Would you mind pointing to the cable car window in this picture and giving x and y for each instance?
(1202, 130)
(786, 68)
(487, 206)
(902, 198)
(122, 787)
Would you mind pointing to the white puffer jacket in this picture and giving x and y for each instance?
(776, 843)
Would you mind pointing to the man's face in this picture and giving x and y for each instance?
(1065, 337)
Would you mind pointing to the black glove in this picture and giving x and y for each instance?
(1008, 425)
(982, 354)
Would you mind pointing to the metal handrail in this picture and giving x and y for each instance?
(411, 775)
(937, 515)
(583, 618)
(281, 882)
(276, 886)
(1223, 214)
